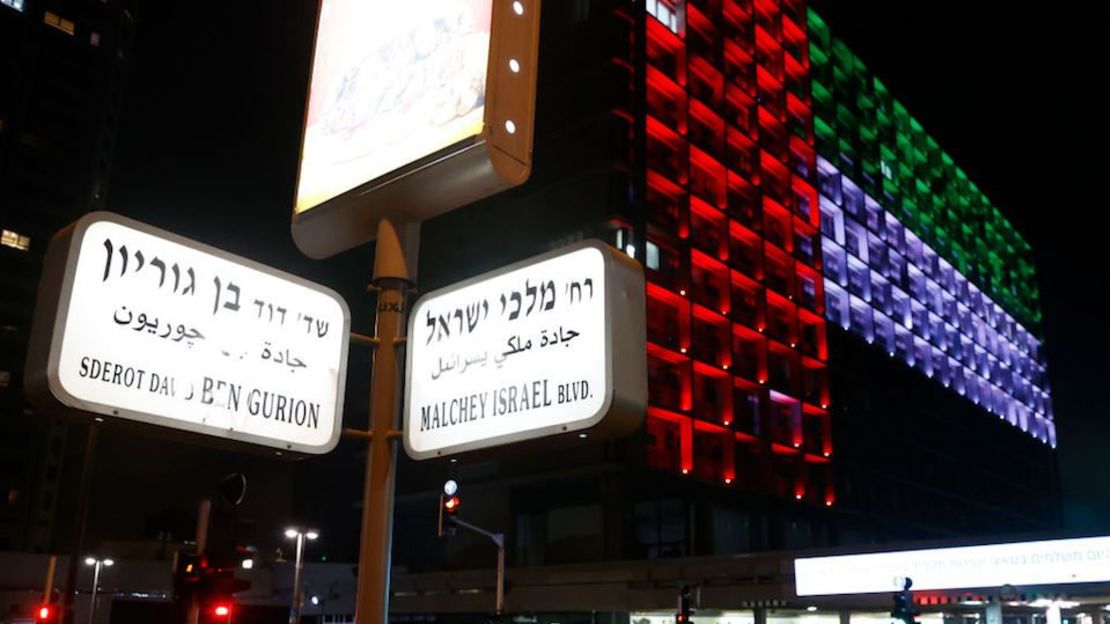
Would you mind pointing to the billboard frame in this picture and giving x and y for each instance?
(466, 171)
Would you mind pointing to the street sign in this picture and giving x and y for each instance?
(414, 108)
(136, 324)
(552, 345)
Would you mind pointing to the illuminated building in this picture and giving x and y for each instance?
(843, 330)
(61, 82)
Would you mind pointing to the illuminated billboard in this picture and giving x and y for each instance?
(1047, 562)
(413, 109)
(137, 325)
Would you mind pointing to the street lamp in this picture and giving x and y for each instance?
(96, 564)
(300, 535)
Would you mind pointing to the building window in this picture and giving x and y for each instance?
(652, 256)
(665, 12)
(15, 240)
(53, 19)
(886, 169)
(94, 39)
(15, 4)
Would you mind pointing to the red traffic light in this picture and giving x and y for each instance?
(45, 613)
(451, 503)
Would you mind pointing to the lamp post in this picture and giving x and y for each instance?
(300, 535)
(96, 564)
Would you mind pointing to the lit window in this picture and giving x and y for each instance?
(5, 379)
(886, 169)
(15, 4)
(652, 256)
(15, 240)
(94, 39)
(53, 19)
(665, 12)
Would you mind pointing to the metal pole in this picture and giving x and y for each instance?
(204, 510)
(499, 540)
(49, 588)
(68, 616)
(391, 279)
(92, 601)
(500, 608)
(295, 608)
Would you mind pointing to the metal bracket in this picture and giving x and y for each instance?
(363, 339)
(350, 432)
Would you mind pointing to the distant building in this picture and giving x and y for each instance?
(844, 331)
(62, 71)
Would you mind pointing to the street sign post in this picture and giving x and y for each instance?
(135, 324)
(550, 346)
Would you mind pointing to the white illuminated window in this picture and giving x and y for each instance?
(53, 19)
(15, 4)
(652, 256)
(15, 240)
(886, 169)
(665, 12)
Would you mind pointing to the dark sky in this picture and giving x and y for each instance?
(210, 133)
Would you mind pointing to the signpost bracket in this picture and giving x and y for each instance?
(363, 339)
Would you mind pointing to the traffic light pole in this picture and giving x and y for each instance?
(298, 590)
(391, 282)
(204, 510)
(68, 615)
(499, 540)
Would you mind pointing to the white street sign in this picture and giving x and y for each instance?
(139, 324)
(551, 345)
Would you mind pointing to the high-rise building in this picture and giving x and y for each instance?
(62, 70)
(844, 342)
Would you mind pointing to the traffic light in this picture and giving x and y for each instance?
(448, 507)
(903, 604)
(224, 553)
(684, 610)
(187, 574)
(219, 611)
(449, 503)
(45, 614)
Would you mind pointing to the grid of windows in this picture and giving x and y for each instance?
(890, 288)
(873, 140)
(736, 321)
(785, 189)
(916, 259)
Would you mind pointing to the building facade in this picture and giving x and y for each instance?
(843, 331)
(62, 74)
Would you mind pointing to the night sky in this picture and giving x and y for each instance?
(211, 128)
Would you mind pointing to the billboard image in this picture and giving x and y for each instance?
(391, 84)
